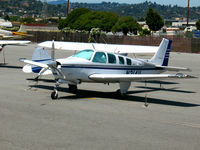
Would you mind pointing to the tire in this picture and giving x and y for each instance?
(54, 95)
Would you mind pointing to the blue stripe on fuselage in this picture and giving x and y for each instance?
(109, 68)
(41, 60)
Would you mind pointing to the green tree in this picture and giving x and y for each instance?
(126, 24)
(28, 19)
(154, 20)
(6, 17)
(14, 18)
(198, 24)
(61, 24)
(96, 19)
(145, 32)
(72, 17)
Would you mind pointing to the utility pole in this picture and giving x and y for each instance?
(44, 9)
(68, 7)
(188, 13)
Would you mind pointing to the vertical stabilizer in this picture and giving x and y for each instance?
(40, 54)
(161, 57)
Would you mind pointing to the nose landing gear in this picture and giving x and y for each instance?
(54, 94)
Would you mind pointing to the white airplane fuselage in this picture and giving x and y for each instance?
(79, 69)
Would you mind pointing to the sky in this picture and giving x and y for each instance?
(165, 2)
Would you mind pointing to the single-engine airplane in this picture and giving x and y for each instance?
(3, 43)
(102, 63)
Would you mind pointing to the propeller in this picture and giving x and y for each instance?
(54, 64)
(53, 51)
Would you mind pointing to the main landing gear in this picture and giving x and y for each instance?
(54, 94)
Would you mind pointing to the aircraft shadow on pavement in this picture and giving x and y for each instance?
(159, 82)
(2, 65)
(82, 94)
(175, 89)
(42, 80)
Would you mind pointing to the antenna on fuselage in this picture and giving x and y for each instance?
(118, 52)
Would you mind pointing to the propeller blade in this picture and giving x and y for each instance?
(53, 51)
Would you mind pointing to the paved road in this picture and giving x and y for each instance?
(96, 119)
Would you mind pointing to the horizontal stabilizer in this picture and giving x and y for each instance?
(171, 68)
(33, 63)
(112, 48)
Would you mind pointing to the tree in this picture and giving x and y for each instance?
(28, 19)
(145, 32)
(126, 24)
(72, 17)
(7, 18)
(154, 20)
(14, 18)
(96, 19)
(198, 24)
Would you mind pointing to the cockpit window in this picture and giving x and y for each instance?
(128, 61)
(99, 57)
(86, 54)
(111, 59)
(121, 60)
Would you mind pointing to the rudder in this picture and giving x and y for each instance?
(40, 55)
(162, 55)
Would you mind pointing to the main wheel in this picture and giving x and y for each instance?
(119, 94)
(54, 95)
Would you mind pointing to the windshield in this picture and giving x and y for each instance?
(86, 54)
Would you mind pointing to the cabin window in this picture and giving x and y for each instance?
(128, 61)
(111, 59)
(86, 54)
(121, 60)
(99, 57)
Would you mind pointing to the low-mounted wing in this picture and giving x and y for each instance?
(133, 77)
(113, 48)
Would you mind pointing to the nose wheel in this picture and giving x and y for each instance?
(54, 94)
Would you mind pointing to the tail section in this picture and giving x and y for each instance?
(40, 55)
(22, 29)
(161, 57)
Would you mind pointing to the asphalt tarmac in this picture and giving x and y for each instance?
(96, 119)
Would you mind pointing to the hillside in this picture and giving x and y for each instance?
(30, 8)
(138, 11)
